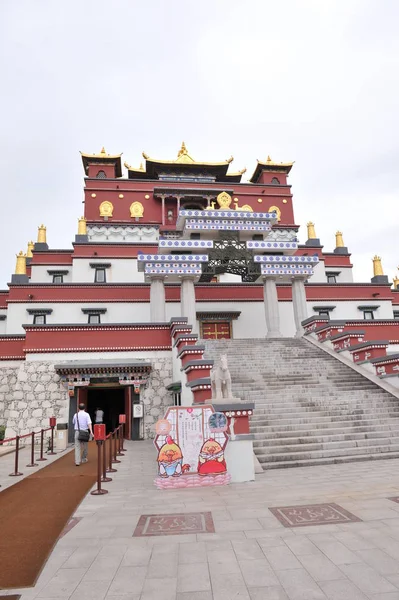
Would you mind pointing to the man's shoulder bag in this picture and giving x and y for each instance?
(84, 435)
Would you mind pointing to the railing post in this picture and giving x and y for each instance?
(113, 437)
(32, 451)
(110, 467)
(119, 439)
(41, 446)
(99, 491)
(123, 438)
(52, 425)
(16, 472)
(104, 477)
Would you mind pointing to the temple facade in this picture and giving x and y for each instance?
(166, 255)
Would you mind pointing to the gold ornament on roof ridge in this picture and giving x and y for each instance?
(224, 200)
(276, 210)
(31, 246)
(183, 157)
(377, 266)
(339, 241)
(311, 231)
(82, 226)
(20, 267)
(41, 234)
(396, 281)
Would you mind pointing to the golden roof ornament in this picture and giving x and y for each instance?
(339, 242)
(41, 235)
(377, 266)
(31, 246)
(396, 282)
(20, 267)
(311, 231)
(82, 226)
(224, 200)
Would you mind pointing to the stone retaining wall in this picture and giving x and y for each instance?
(31, 392)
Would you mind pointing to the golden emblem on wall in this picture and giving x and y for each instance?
(106, 209)
(276, 210)
(136, 210)
(224, 200)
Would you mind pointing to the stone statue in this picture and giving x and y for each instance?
(221, 381)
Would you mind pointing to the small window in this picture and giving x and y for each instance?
(39, 319)
(396, 314)
(100, 276)
(58, 279)
(101, 175)
(331, 279)
(324, 313)
(368, 315)
(276, 181)
(94, 319)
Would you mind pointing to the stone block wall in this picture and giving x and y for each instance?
(155, 396)
(31, 392)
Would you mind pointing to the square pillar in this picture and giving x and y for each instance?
(299, 304)
(157, 300)
(187, 301)
(270, 299)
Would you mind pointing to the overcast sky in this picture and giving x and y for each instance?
(314, 81)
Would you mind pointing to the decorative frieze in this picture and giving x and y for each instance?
(122, 233)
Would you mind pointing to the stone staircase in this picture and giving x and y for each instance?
(309, 407)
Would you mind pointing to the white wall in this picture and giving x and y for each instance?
(347, 309)
(39, 273)
(320, 270)
(122, 270)
(59, 357)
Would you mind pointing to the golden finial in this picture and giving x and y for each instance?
(103, 150)
(396, 282)
(269, 159)
(41, 235)
(20, 267)
(141, 167)
(311, 231)
(29, 254)
(82, 227)
(377, 266)
(339, 242)
(183, 150)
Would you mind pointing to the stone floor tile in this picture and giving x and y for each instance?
(338, 553)
(216, 557)
(103, 568)
(190, 578)
(238, 525)
(281, 558)
(159, 588)
(320, 567)
(299, 585)
(224, 581)
(194, 596)
(258, 573)
(90, 590)
(224, 568)
(129, 579)
(367, 579)
(380, 561)
(268, 593)
(136, 557)
(63, 584)
(388, 596)
(192, 553)
(247, 549)
(301, 545)
(239, 593)
(342, 590)
(162, 566)
(353, 541)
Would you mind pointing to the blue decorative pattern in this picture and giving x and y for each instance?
(231, 214)
(164, 243)
(272, 245)
(271, 270)
(172, 257)
(286, 259)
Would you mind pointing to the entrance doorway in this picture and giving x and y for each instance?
(111, 400)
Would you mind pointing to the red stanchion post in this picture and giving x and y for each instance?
(16, 472)
(52, 425)
(110, 467)
(99, 436)
(32, 451)
(122, 421)
(104, 478)
(41, 446)
(119, 440)
(113, 437)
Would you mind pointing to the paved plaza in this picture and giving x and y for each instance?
(224, 543)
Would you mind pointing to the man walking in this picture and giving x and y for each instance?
(81, 422)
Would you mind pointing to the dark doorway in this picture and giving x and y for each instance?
(110, 400)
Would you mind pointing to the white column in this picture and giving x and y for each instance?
(299, 304)
(271, 307)
(187, 300)
(157, 300)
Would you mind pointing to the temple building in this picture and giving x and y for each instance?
(169, 254)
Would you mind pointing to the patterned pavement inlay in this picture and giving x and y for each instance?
(178, 524)
(313, 514)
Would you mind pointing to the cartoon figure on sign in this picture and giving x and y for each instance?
(211, 459)
(170, 459)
